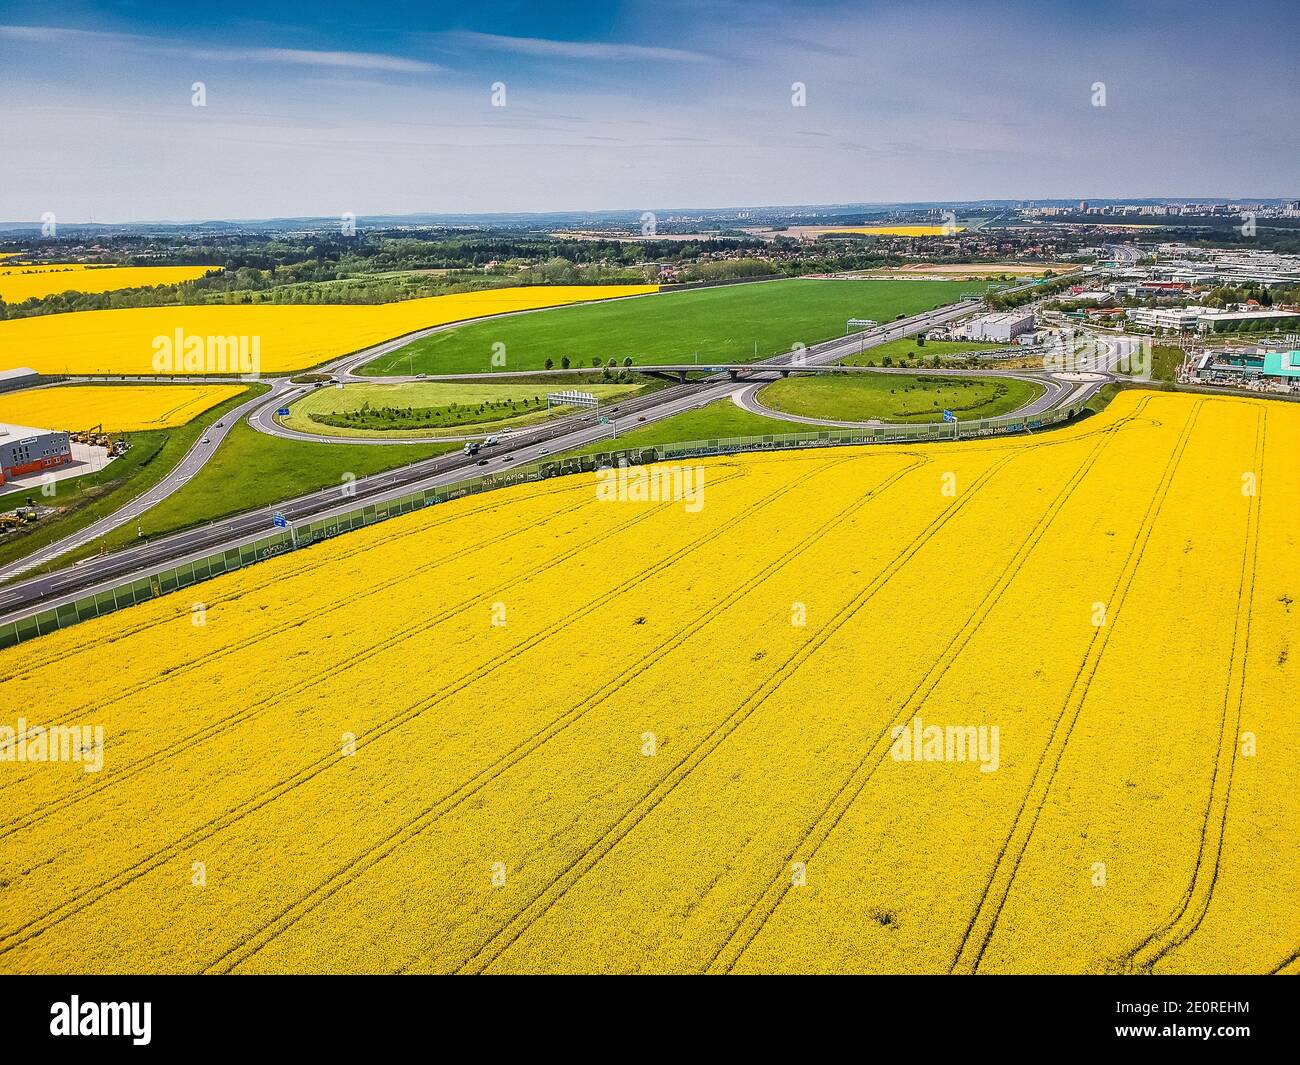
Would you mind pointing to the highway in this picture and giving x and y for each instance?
(518, 448)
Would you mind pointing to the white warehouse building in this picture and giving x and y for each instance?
(24, 450)
(1003, 327)
(1175, 319)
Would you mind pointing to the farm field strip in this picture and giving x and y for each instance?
(985, 918)
(832, 813)
(1255, 903)
(619, 689)
(895, 231)
(288, 336)
(387, 725)
(874, 874)
(686, 707)
(19, 283)
(729, 323)
(1206, 869)
(1102, 802)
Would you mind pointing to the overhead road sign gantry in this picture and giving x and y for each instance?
(571, 399)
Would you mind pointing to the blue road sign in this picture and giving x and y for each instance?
(283, 412)
(279, 521)
(948, 416)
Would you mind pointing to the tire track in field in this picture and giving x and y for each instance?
(90, 895)
(296, 621)
(979, 931)
(1192, 907)
(308, 565)
(541, 903)
(1281, 968)
(386, 642)
(161, 421)
(404, 833)
(809, 844)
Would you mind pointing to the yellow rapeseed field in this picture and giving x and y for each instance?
(1017, 705)
(118, 408)
(18, 283)
(287, 337)
(899, 231)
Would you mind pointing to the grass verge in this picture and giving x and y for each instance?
(252, 470)
(907, 398)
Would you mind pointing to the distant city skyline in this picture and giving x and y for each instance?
(546, 107)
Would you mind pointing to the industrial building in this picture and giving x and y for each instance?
(1262, 371)
(25, 450)
(1003, 327)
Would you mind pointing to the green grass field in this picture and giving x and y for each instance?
(153, 454)
(907, 348)
(897, 397)
(253, 470)
(422, 395)
(734, 323)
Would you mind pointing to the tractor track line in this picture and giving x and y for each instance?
(506, 936)
(1191, 909)
(70, 907)
(401, 835)
(824, 824)
(381, 646)
(973, 944)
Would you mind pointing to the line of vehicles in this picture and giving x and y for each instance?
(473, 447)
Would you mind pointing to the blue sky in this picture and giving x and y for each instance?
(329, 107)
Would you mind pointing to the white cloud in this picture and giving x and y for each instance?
(300, 57)
(594, 50)
(57, 35)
